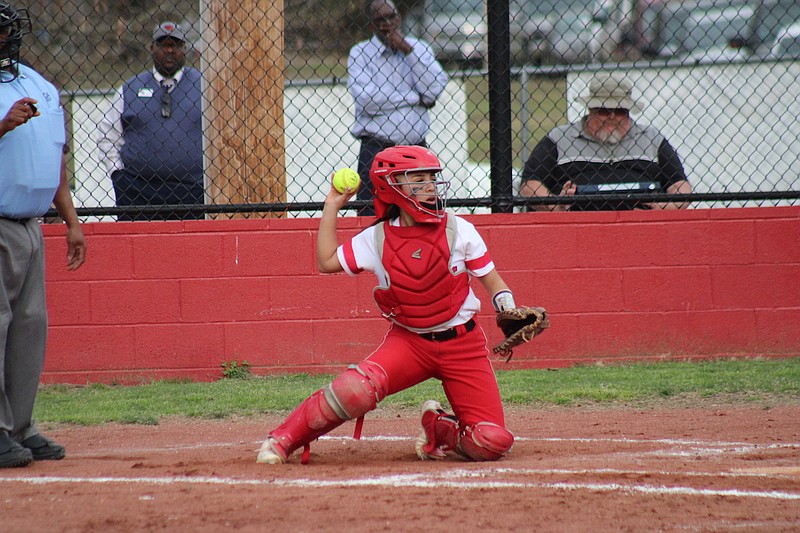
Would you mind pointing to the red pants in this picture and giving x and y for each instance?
(462, 365)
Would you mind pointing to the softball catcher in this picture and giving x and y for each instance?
(423, 259)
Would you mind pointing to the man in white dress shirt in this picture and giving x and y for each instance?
(394, 80)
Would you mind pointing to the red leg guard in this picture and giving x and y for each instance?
(357, 390)
(485, 442)
(309, 421)
(352, 394)
(439, 432)
(442, 432)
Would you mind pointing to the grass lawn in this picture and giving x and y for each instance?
(739, 380)
(545, 107)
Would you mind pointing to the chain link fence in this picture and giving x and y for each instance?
(720, 81)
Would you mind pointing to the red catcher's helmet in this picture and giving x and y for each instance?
(389, 172)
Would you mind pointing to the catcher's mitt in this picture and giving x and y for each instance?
(519, 326)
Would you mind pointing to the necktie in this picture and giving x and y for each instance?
(166, 98)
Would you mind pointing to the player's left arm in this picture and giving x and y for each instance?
(479, 263)
(493, 283)
(518, 324)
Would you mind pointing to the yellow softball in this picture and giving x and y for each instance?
(344, 178)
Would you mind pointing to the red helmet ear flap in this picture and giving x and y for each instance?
(383, 191)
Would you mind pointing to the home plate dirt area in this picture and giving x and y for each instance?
(726, 467)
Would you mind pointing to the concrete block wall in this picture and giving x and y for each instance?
(177, 299)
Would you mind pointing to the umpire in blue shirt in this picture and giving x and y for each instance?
(152, 137)
(32, 177)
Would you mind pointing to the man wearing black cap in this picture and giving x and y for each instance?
(151, 138)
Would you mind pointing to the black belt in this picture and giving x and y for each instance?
(376, 140)
(17, 220)
(385, 143)
(448, 334)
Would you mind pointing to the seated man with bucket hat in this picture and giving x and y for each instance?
(607, 153)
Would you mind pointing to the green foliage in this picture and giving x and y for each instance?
(88, 44)
(235, 370)
(545, 104)
(741, 380)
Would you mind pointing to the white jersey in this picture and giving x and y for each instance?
(469, 254)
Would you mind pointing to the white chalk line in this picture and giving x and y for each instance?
(701, 447)
(453, 480)
(624, 472)
(465, 478)
(727, 525)
(676, 442)
(620, 440)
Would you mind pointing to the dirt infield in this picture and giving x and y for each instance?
(715, 468)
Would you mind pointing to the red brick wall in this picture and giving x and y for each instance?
(176, 299)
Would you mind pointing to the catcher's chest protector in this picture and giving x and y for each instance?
(423, 292)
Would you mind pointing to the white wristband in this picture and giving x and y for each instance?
(503, 300)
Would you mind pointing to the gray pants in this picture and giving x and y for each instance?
(23, 324)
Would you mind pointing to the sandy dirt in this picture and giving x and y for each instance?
(709, 468)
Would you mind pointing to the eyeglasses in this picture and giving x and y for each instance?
(166, 103)
(377, 21)
(606, 112)
(170, 44)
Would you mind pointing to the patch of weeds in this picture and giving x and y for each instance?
(235, 369)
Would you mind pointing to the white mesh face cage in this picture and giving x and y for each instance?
(441, 186)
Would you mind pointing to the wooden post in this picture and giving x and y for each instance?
(242, 67)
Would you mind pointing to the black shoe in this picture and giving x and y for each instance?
(12, 454)
(43, 449)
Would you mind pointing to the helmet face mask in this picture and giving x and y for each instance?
(408, 177)
(14, 23)
(413, 185)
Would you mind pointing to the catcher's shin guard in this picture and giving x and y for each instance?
(352, 394)
(485, 442)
